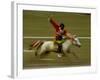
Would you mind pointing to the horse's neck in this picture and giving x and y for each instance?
(67, 43)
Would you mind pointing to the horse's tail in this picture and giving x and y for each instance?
(36, 44)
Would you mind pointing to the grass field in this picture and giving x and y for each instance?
(36, 24)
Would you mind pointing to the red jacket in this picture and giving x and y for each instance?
(58, 31)
(56, 26)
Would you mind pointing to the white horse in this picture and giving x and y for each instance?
(49, 46)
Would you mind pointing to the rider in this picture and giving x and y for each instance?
(61, 33)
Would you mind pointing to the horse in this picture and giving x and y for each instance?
(49, 46)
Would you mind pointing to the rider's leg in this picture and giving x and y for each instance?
(59, 48)
(59, 43)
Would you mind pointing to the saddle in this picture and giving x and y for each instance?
(58, 45)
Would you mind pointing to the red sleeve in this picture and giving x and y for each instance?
(55, 25)
(65, 32)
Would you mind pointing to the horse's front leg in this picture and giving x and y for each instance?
(67, 55)
(68, 50)
(73, 53)
(64, 51)
(76, 56)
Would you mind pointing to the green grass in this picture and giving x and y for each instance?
(35, 23)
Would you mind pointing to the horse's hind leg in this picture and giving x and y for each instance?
(41, 52)
(36, 52)
(30, 47)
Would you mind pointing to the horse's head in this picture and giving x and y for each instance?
(76, 41)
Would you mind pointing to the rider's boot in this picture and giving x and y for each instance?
(59, 48)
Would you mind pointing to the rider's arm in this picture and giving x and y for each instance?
(68, 35)
(55, 24)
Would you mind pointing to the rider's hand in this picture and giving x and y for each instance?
(51, 17)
